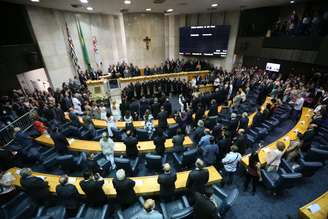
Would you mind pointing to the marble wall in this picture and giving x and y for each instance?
(138, 26)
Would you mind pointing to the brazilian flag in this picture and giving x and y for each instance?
(83, 47)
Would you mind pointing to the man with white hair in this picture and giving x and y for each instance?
(149, 211)
(124, 187)
(198, 178)
(77, 105)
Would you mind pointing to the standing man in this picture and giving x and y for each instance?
(167, 183)
(230, 162)
(68, 195)
(61, 143)
(198, 178)
(162, 119)
(124, 187)
(131, 143)
(92, 187)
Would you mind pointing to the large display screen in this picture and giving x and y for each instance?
(204, 40)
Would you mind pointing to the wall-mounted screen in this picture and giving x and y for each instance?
(204, 40)
(272, 67)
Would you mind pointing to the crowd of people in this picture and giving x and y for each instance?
(124, 70)
(221, 145)
(312, 23)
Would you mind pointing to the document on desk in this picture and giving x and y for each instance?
(139, 182)
(71, 140)
(314, 208)
(71, 180)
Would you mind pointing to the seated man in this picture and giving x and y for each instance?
(92, 187)
(35, 187)
(124, 187)
(205, 206)
(198, 178)
(167, 183)
(149, 211)
(68, 196)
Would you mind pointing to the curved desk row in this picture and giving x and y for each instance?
(317, 209)
(301, 126)
(145, 185)
(94, 146)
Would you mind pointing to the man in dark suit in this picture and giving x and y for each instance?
(124, 187)
(168, 106)
(159, 142)
(241, 141)
(167, 183)
(257, 118)
(68, 196)
(155, 108)
(198, 178)
(35, 187)
(205, 207)
(131, 143)
(92, 187)
(162, 119)
(61, 143)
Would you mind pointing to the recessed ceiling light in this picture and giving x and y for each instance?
(35, 0)
(214, 5)
(148, 9)
(127, 2)
(89, 8)
(292, 2)
(84, 1)
(169, 10)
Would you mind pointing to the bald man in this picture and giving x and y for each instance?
(167, 183)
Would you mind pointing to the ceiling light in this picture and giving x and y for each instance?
(35, 0)
(148, 9)
(292, 2)
(169, 10)
(89, 8)
(84, 1)
(127, 2)
(214, 5)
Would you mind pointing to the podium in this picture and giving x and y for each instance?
(98, 88)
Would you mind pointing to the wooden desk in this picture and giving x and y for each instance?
(301, 127)
(137, 124)
(322, 201)
(145, 185)
(94, 146)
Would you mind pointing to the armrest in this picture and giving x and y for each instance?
(176, 157)
(232, 197)
(104, 211)
(135, 164)
(219, 192)
(98, 156)
(286, 166)
(183, 213)
(47, 153)
(141, 200)
(14, 200)
(163, 209)
(185, 201)
(40, 211)
(164, 159)
(81, 209)
(119, 214)
(312, 164)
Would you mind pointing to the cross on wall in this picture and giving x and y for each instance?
(147, 41)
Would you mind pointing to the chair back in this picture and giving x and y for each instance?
(142, 134)
(153, 162)
(189, 157)
(123, 163)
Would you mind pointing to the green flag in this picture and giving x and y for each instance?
(83, 47)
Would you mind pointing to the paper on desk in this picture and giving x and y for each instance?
(139, 182)
(71, 180)
(314, 208)
(47, 135)
(18, 171)
(266, 150)
(71, 140)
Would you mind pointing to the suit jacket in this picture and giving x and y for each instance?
(204, 207)
(159, 142)
(125, 192)
(197, 180)
(162, 120)
(94, 191)
(36, 187)
(243, 123)
(68, 196)
(155, 108)
(131, 146)
(61, 143)
(167, 185)
(178, 143)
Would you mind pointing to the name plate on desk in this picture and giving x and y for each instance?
(314, 208)
(138, 182)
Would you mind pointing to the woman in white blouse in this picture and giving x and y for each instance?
(111, 124)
